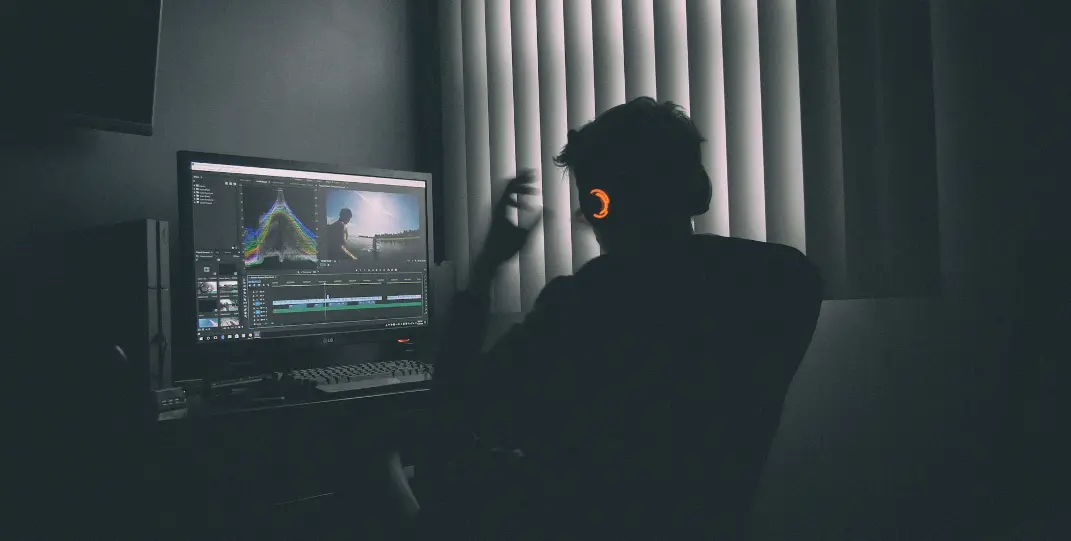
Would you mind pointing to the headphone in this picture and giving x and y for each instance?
(598, 203)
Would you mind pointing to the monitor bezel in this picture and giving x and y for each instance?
(197, 360)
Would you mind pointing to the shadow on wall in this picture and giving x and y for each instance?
(889, 427)
(870, 169)
(23, 132)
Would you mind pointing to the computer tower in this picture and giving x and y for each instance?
(119, 284)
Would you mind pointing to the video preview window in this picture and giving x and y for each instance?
(368, 225)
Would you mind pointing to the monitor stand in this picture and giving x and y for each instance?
(338, 355)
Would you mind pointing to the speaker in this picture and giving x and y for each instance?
(119, 280)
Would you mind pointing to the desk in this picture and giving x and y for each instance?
(270, 465)
(391, 401)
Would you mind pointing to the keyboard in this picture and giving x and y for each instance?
(353, 377)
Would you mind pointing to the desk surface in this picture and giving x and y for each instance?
(386, 400)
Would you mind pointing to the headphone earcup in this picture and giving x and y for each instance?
(592, 205)
(700, 195)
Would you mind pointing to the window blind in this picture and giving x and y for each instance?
(517, 74)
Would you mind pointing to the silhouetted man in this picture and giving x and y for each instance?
(335, 238)
(644, 390)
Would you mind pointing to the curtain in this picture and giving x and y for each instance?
(517, 74)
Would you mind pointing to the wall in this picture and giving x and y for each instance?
(904, 421)
(316, 80)
(324, 81)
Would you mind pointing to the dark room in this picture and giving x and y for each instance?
(389, 269)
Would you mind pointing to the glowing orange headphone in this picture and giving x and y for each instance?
(597, 205)
(600, 207)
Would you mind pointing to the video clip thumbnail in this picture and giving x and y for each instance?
(206, 288)
(227, 305)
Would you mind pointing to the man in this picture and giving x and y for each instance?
(644, 390)
(335, 237)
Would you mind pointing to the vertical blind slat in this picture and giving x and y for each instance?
(707, 86)
(455, 184)
(526, 117)
(820, 109)
(608, 51)
(477, 145)
(553, 123)
(743, 119)
(782, 132)
(671, 52)
(580, 102)
(637, 21)
(502, 141)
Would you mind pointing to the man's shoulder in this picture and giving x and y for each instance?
(779, 258)
(706, 251)
(728, 256)
(755, 248)
(558, 289)
(565, 296)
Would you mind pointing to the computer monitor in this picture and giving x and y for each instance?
(277, 256)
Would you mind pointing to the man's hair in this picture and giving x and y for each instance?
(642, 146)
(345, 215)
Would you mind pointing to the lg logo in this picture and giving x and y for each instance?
(329, 340)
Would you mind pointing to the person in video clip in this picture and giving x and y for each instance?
(336, 236)
(644, 390)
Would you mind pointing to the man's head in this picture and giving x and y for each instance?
(345, 215)
(639, 170)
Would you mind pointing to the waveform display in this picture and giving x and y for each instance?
(279, 234)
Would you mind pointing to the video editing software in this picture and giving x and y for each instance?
(285, 253)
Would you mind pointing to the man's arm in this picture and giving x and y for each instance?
(459, 364)
(345, 239)
(466, 328)
(488, 380)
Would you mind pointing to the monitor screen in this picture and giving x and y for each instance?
(283, 252)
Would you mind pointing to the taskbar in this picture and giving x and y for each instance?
(310, 330)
